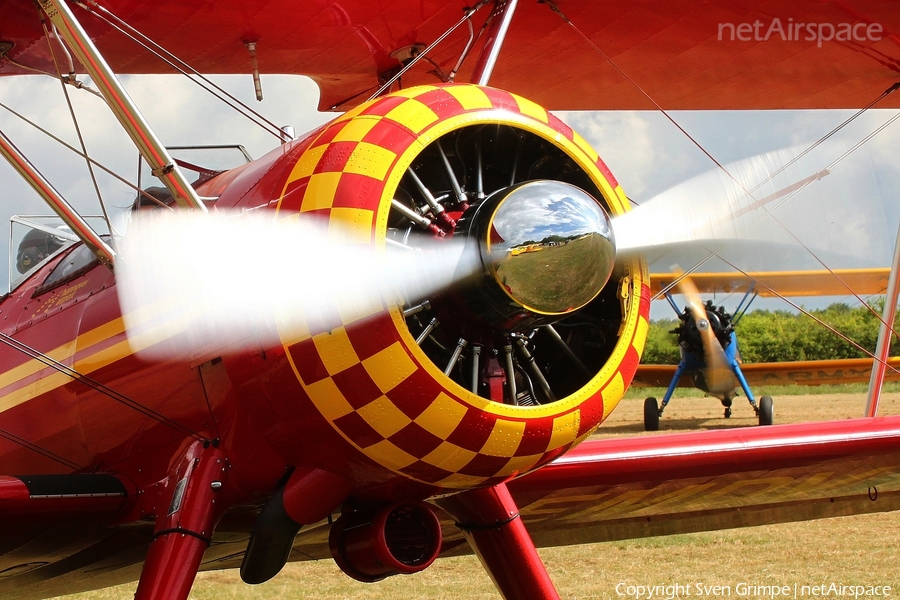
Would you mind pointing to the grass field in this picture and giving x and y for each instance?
(860, 550)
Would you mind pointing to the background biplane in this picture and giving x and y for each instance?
(387, 441)
(693, 368)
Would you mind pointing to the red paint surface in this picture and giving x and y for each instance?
(670, 50)
(253, 404)
(492, 525)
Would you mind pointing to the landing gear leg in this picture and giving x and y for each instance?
(185, 524)
(765, 411)
(490, 521)
(651, 424)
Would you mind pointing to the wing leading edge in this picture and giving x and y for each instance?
(840, 282)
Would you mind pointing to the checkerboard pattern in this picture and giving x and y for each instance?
(369, 379)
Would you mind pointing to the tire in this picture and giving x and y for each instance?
(766, 410)
(651, 415)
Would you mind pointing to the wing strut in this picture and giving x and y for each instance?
(885, 333)
(489, 518)
(121, 104)
(484, 67)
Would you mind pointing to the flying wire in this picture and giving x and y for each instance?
(656, 104)
(825, 137)
(96, 385)
(77, 152)
(74, 117)
(179, 65)
(827, 326)
(770, 213)
(387, 84)
(40, 450)
(68, 81)
(748, 193)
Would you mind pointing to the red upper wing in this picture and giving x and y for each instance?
(671, 50)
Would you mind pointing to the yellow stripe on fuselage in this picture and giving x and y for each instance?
(85, 365)
(64, 352)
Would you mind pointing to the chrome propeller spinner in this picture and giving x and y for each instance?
(547, 250)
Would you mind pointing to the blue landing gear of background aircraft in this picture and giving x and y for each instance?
(693, 363)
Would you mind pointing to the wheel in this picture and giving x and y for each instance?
(651, 415)
(727, 412)
(766, 410)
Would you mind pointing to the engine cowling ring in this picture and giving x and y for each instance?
(371, 381)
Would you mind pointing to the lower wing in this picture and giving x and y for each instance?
(606, 489)
(624, 488)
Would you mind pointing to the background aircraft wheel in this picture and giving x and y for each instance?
(651, 415)
(727, 412)
(766, 410)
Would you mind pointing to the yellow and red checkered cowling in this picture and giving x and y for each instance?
(369, 379)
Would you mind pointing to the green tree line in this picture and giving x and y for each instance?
(780, 335)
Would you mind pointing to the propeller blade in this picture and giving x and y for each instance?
(719, 377)
(192, 284)
(711, 206)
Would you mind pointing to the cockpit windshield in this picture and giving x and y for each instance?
(34, 239)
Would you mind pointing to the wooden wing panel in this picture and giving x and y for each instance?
(685, 54)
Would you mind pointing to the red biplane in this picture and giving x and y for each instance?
(453, 423)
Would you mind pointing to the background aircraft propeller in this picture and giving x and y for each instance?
(718, 375)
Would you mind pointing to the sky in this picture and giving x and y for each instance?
(847, 219)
